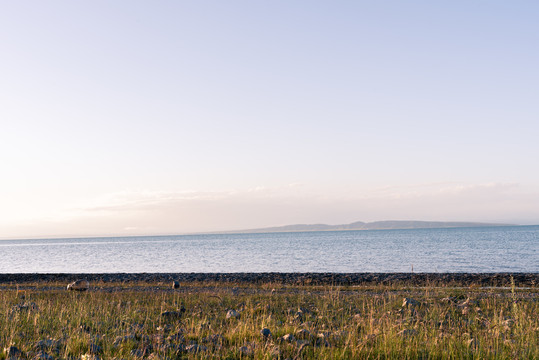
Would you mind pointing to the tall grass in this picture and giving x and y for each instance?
(325, 322)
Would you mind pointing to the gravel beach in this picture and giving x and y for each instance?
(411, 279)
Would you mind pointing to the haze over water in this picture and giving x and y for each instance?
(484, 249)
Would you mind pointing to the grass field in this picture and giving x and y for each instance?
(268, 321)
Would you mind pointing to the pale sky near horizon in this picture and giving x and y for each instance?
(164, 117)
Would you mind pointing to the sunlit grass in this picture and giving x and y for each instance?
(326, 322)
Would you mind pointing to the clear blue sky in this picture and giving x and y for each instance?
(137, 117)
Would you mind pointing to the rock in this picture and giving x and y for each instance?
(13, 352)
(46, 344)
(265, 332)
(409, 302)
(175, 284)
(195, 348)
(232, 314)
(289, 338)
(89, 357)
(123, 339)
(172, 315)
(42, 356)
(176, 338)
(322, 342)
(323, 335)
(245, 351)
(79, 285)
(27, 306)
(449, 299)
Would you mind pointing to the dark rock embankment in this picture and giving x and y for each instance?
(411, 279)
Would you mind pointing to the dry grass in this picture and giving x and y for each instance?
(118, 321)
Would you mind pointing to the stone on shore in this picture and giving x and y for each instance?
(79, 285)
(289, 338)
(173, 315)
(24, 307)
(13, 352)
(89, 357)
(232, 314)
(409, 302)
(42, 356)
(195, 348)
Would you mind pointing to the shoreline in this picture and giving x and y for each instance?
(504, 279)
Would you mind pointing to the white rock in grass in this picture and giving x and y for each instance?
(89, 357)
(232, 314)
(289, 338)
(79, 285)
(409, 302)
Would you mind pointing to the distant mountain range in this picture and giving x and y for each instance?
(377, 225)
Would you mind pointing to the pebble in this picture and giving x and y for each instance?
(289, 338)
(79, 285)
(42, 356)
(13, 351)
(232, 314)
(27, 306)
(172, 315)
(409, 302)
(495, 279)
(195, 348)
(89, 357)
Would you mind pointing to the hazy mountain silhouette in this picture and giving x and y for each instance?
(377, 225)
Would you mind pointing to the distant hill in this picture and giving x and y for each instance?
(377, 225)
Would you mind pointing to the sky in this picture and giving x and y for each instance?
(169, 117)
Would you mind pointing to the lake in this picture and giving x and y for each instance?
(481, 249)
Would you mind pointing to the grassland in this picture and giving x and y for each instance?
(267, 321)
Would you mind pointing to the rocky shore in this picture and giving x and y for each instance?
(411, 279)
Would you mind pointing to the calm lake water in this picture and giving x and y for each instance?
(485, 249)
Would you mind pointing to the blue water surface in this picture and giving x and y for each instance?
(482, 249)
